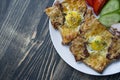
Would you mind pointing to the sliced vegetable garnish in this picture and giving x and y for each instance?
(109, 19)
(90, 2)
(98, 5)
(111, 6)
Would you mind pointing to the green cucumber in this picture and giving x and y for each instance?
(110, 19)
(111, 6)
(119, 11)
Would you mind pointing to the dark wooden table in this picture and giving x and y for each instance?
(26, 50)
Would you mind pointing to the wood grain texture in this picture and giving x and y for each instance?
(26, 50)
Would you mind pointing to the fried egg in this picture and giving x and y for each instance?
(73, 19)
(97, 43)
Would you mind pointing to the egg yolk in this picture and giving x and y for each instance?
(97, 43)
(73, 19)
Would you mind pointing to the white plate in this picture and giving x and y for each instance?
(67, 56)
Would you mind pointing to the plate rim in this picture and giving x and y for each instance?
(50, 31)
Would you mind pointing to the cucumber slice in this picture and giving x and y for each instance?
(110, 19)
(111, 6)
(119, 11)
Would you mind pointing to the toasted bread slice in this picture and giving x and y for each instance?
(68, 34)
(73, 9)
(92, 27)
(74, 5)
(66, 17)
(79, 49)
(56, 15)
(97, 62)
(92, 30)
(114, 49)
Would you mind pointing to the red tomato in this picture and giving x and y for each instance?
(98, 5)
(90, 2)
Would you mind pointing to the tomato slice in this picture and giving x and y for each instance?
(98, 5)
(90, 2)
